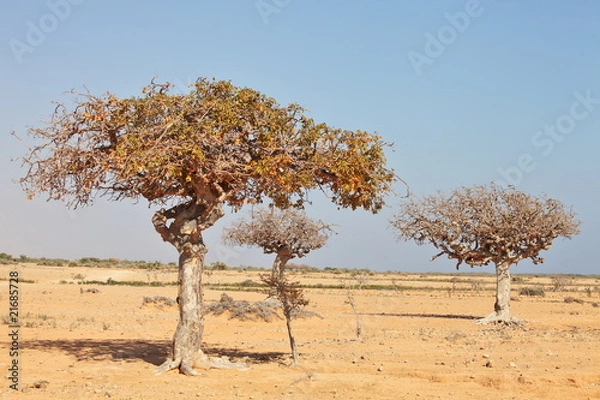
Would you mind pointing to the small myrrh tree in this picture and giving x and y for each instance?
(287, 233)
(193, 153)
(484, 224)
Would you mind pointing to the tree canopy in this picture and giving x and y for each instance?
(219, 141)
(482, 224)
(275, 231)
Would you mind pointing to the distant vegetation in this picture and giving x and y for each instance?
(467, 282)
(84, 262)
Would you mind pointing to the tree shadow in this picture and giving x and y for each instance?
(425, 315)
(151, 351)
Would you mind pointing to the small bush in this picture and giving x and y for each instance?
(6, 259)
(532, 291)
(159, 300)
(571, 299)
(112, 282)
(244, 310)
(560, 282)
(250, 283)
(90, 290)
(219, 266)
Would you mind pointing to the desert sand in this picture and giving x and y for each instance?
(419, 340)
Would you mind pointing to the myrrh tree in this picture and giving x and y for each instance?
(288, 234)
(487, 224)
(192, 154)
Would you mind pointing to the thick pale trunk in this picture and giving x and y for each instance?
(185, 233)
(186, 351)
(188, 335)
(502, 306)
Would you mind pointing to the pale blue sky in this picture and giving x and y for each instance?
(460, 108)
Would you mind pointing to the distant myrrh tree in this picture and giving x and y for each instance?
(288, 234)
(487, 224)
(192, 154)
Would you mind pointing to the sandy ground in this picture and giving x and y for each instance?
(419, 341)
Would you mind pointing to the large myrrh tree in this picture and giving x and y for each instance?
(192, 154)
(288, 234)
(484, 224)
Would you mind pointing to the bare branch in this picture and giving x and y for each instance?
(479, 225)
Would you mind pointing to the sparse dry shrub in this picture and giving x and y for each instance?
(89, 290)
(219, 266)
(300, 268)
(350, 300)
(560, 282)
(532, 291)
(571, 299)
(30, 320)
(304, 313)
(456, 336)
(289, 293)
(159, 301)
(398, 288)
(243, 310)
(78, 277)
(476, 285)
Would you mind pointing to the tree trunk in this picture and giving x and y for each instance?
(188, 335)
(185, 233)
(502, 306)
(288, 320)
(279, 265)
(277, 276)
(277, 272)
